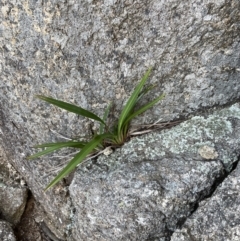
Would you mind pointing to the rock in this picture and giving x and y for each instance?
(148, 188)
(90, 53)
(13, 193)
(217, 218)
(13, 202)
(31, 227)
(6, 231)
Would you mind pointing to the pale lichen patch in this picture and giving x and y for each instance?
(207, 152)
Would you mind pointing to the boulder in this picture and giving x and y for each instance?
(218, 217)
(13, 192)
(93, 52)
(6, 231)
(149, 187)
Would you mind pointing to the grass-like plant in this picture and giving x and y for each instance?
(114, 135)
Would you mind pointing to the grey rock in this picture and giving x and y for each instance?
(217, 218)
(13, 193)
(90, 53)
(13, 200)
(149, 187)
(6, 231)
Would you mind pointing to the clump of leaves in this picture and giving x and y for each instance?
(107, 136)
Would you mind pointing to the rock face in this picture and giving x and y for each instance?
(93, 52)
(13, 193)
(218, 217)
(13, 196)
(146, 189)
(6, 232)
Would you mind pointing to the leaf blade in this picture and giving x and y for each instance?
(106, 113)
(53, 147)
(132, 100)
(88, 148)
(56, 143)
(70, 107)
(145, 91)
(144, 108)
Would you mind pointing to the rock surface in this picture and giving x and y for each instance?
(217, 218)
(6, 231)
(31, 226)
(13, 193)
(16, 209)
(147, 189)
(93, 52)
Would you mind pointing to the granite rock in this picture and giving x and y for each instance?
(90, 53)
(13, 192)
(6, 231)
(149, 187)
(218, 217)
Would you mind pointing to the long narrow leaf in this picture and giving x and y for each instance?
(145, 91)
(106, 113)
(78, 158)
(144, 108)
(132, 101)
(70, 107)
(78, 143)
(53, 147)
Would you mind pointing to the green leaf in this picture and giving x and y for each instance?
(71, 108)
(106, 113)
(80, 143)
(87, 149)
(144, 108)
(55, 146)
(144, 91)
(132, 101)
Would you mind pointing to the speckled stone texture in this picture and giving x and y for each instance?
(147, 189)
(13, 192)
(6, 231)
(93, 52)
(217, 218)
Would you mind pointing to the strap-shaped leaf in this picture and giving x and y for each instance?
(106, 113)
(87, 149)
(51, 144)
(132, 101)
(71, 108)
(55, 146)
(145, 91)
(144, 108)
